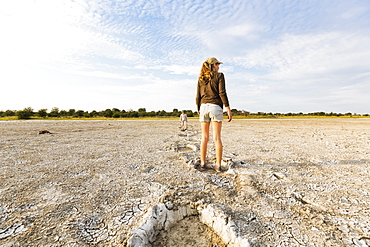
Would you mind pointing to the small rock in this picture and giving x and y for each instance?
(279, 175)
(44, 132)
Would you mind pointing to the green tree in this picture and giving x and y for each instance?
(93, 114)
(79, 114)
(162, 113)
(117, 114)
(108, 113)
(133, 114)
(71, 112)
(26, 113)
(190, 113)
(42, 113)
(63, 113)
(234, 112)
(10, 113)
(54, 112)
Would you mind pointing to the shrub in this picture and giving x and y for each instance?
(10, 113)
(54, 112)
(108, 113)
(42, 113)
(79, 114)
(26, 113)
(116, 115)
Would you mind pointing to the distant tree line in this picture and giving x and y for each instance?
(28, 113)
(323, 114)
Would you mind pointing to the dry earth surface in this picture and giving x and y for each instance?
(291, 182)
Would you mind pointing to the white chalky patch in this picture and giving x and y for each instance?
(160, 218)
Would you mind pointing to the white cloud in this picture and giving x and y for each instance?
(181, 70)
(307, 53)
(298, 55)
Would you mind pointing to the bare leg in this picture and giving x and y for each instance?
(217, 126)
(204, 144)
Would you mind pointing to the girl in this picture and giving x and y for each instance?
(210, 99)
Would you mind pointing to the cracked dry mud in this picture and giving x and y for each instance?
(293, 182)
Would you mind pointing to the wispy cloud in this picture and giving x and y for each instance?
(278, 55)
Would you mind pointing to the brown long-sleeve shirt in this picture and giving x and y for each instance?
(212, 90)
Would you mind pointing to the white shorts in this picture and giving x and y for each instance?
(210, 112)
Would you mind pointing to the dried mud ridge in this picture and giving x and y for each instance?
(135, 183)
(158, 225)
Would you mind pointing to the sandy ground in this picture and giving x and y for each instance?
(298, 182)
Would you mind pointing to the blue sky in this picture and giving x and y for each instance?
(279, 56)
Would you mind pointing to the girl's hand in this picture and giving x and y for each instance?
(229, 114)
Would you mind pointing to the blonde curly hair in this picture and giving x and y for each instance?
(206, 71)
